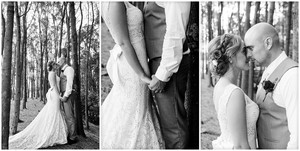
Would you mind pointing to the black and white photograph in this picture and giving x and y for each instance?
(249, 75)
(149, 75)
(50, 75)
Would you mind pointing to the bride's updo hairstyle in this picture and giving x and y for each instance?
(50, 65)
(220, 49)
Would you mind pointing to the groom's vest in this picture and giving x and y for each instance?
(272, 126)
(155, 29)
(63, 81)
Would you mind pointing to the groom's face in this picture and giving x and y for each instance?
(61, 62)
(256, 50)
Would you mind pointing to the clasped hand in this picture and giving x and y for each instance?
(63, 99)
(156, 85)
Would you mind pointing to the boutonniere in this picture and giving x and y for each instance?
(268, 86)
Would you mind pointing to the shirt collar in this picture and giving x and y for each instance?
(274, 64)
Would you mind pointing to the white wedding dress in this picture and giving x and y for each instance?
(127, 118)
(224, 141)
(48, 128)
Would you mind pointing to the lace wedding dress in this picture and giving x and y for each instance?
(127, 118)
(225, 140)
(48, 128)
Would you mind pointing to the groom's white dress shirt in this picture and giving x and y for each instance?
(286, 95)
(69, 73)
(177, 15)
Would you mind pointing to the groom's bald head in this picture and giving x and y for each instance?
(261, 31)
(263, 42)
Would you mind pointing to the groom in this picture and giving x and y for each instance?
(277, 125)
(165, 26)
(67, 98)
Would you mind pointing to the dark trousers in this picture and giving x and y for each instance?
(69, 115)
(172, 114)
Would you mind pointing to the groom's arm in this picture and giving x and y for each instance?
(177, 15)
(69, 72)
(288, 88)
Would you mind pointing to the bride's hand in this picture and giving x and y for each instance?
(145, 78)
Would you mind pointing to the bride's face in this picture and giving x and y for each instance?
(241, 61)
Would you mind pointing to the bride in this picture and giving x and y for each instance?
(127, 118)
(237, 113)
(49, 127)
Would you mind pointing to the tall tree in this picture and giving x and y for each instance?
(79, 124)
(271, 13)
(210, 35)
(266, 12)
(46, 53)
(295, 32)
(251, 70)
(245, 74)
(3, 31)
(41, 90)
(288, 29)
(6, 74)
(63, 12)
(16, 107)
(24, 49)
(219, 23)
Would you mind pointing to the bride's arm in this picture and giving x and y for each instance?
(236, 112)
(118, 23)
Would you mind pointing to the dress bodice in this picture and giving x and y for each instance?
(134, 21)
(224, 141)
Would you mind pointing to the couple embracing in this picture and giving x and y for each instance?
(55, 123)
(271, 120)
(150, 55)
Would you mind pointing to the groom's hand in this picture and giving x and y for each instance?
(156, 85)
(63, 99)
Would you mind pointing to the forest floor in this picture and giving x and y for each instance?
(210, 129)
(107, 43)
(34, 106)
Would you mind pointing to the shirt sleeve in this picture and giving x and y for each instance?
(177, 15)
(288, 86)
(69, 72)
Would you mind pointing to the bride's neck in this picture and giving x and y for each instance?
(232, 75)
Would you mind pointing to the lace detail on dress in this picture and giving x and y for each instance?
(224, 141)
(47, 129)
(128, 121)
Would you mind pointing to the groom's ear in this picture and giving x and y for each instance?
(268, 43)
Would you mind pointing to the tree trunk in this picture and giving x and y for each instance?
(251, 70)
(271, 13)
(6, 74)
(24, 47)
(46, 24)
(69, 39)
(41, 61)
(288, 29)
(219, 23)
(79, 124)
(64, 7)
(79, 34)
(245, 74)
(16, 104)
(3, 33)
(210, 35)
(295, 32)
(266, 12)
(87, 73)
